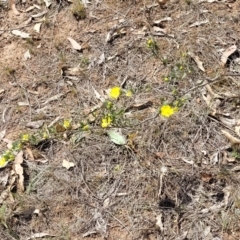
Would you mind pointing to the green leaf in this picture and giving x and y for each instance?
(116, 137)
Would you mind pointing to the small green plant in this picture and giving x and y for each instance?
(152, 45)
(78, 10)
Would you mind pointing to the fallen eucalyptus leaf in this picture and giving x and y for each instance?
(75, 45)
(39, 14)
(35, 124)
(20, 34)
(227, 53)
(40, 235)
(197, 61)
(231, 138)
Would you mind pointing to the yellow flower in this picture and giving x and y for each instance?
(3, 162)
(66, 123)
(109, 105)
(128, 93)
(86, 127)
(167, 110)
(150, 43)
(115, 92)
(25, 137)
(166, 79)
(106, 121)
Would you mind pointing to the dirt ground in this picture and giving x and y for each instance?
(176, 177)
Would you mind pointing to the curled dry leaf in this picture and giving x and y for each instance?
(47, 3)
(159, 222)
(230, 137)
(197, 61)
(67, 164)
(2, 134)
(227, 121)
(75, 45)
(37, 27)
(26, 55)
(29, 154)
(237, 130)
(19, 170)
(198, 23)
(227, 53)
(206, 177)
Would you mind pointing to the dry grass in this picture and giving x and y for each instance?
(117, 192)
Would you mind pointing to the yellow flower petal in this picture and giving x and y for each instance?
(86, 127)
(66, 123)
(115, 92)
(25, 137)
(167, 110)
(106, 121)
(3, 162)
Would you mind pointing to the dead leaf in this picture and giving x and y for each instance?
(35, 124)
(106, 202)
(227, 121)
(53, 98)
(21, 34)
(237, 130)
(198, 23)
(40, 235)
(37, 27)
(214, 159)
(4, 180)
(13, 7)
(19, 170)
(2, 134)
(29, 154)
(227, 53)
(140, 105)
(75, 45)
(101, 59)
(30, 8)
(162, 2)
(75, 71)
(236, 169)
(159, 222)
(23, 104)
(4, 195)
(158, 29)
(39, 14)
(231, 138)
(197, 61)
(98, 95)
(157, 22)
(47, 3)
(26, 55)
(67, 164)
(206, 177)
